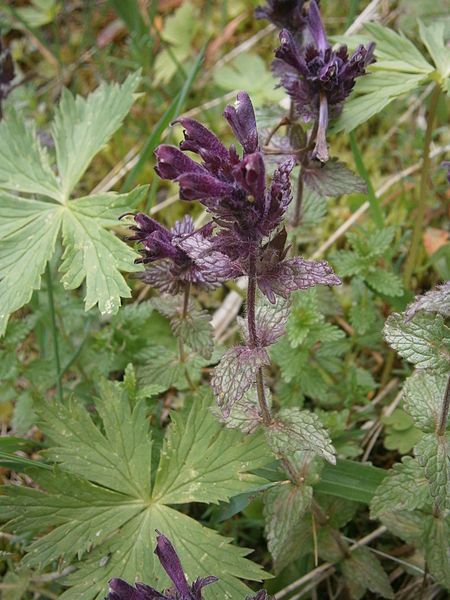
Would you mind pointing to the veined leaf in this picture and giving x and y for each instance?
(435, 538)
(405, 487)
(425, 341)
(423, 395)
(364, 569)
(82, 126)
(284, 506)
(372, 95)
(433, 454)
(294, 430)
(99, 497)
(395, 52)
(24, 164)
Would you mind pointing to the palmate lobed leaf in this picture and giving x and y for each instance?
(82, 126)
(29, 228)
(99, 497)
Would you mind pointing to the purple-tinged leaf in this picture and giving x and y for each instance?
(332, 179)
(280, 279)
(434, 301)
(245, 414)
(236, 373)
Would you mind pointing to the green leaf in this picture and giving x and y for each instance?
(425, 341)
(372, 94)
(24, 164)
(423, 395)
(82, 126)
(364, 569)
(98, 256)
(294, 430)
(437, 551)
(385, 282)
(395, 52)
(433, 455)
(118, 458)
(261, 84)
(284, 506)
(350, 480)
(349, 263)
(29, 230)
(405, 487)
(99, 497)
(197, 464)
(433, 37)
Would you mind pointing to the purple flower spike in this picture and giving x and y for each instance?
(233, 189)
(318, 78)
(181, 590)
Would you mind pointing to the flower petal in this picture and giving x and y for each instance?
(316, 27)
(171, 162)
(171, 564)
(242, 120)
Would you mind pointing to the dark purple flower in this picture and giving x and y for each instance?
(181, 590)
(318, 78)
(7, 73)
(180, 255)
(232, 188)
(285, 14)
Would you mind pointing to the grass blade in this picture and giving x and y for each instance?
(170, 114)
(375, 205)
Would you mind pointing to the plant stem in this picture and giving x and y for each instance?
(253, 338)
(444, 412)
(422, 199)
(51, 305)
(298, 199)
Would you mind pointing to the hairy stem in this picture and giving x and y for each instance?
(51, 304)
(253, 338)
(298, 200)
(422, 199)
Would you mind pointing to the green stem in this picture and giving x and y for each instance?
(51, 305)
(422, 199)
